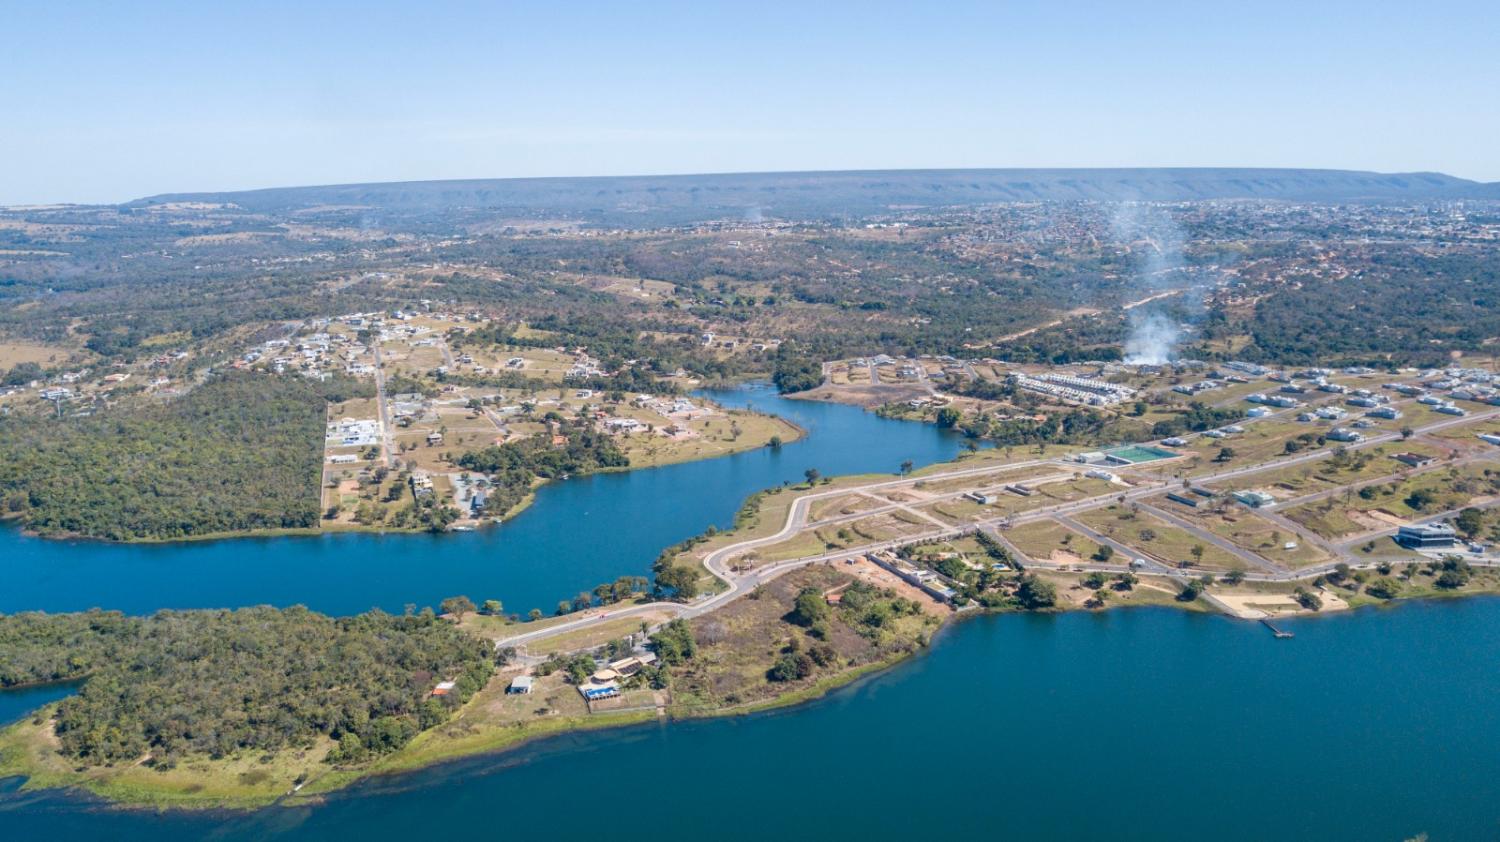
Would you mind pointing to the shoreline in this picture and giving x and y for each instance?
(417, 757)
(15, 521)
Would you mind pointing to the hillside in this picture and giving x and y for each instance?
(811, 195)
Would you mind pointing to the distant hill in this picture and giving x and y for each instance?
(813, 195)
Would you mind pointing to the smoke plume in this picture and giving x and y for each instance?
(1155, 241)
(1152, 338)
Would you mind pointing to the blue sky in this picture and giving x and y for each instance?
(110, 101)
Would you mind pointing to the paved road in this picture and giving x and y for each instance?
(740, 583)
(1251, 559)
(387, 439)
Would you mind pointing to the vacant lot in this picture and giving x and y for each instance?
(1155, 537)
(1048, 540)
(1388, 505)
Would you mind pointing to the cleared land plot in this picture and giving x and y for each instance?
(847, 504)
(1331, 471)
(713, 435)
(1048, 540)
(1388, 505)
(986, 480)
(1263, 439)
(461, 430)
(413, 362)
(595, 635)
(1254, 533)
(20, 351)
(1464, 433)
(1154, 536)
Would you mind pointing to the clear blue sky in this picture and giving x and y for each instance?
(106, 101)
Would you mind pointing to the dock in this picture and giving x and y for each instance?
(1280, 634)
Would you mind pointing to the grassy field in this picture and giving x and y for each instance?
(1258, 535)
(718, 435)
(847, 504)
(1384, 505)
(1263, 439)
(20, 351)
(1331, 472)
(1154, 536)
(1040, 539)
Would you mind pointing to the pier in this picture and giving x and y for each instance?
(1280, 634)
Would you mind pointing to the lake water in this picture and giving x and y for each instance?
(1132, 724)
(577, 534)
(1139, 724)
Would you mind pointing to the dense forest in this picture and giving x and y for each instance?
(195, 683)
(1409, 312)
(240, 452)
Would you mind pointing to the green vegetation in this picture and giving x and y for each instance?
(674, 643)
(186, 684)
(241, 452)
(515, 467)
(796, 371)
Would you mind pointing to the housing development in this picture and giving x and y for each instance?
(599, 466)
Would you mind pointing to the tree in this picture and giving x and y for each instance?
(1036, 593)
(1225, 454)
(1190, 591)
(1197, 552)
(1469, 522)
(812, 475)
(906, 467)
(948, 417)
(1451, 580)
(1421, 498)
(457, 606)
(680, 583)
(1126, 581)
(1307, 599)
(790, 667)
(533, 615)
(809, 608)
(774, 443)
(493, 607)
(1234, 577)
(674, 643)
(1094, 581)
(1104, 553)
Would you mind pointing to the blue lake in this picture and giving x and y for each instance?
(1134, 724)
(577, 534)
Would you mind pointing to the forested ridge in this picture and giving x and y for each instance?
(240, 452)
(195, 683)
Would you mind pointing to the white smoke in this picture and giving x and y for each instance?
(1152, 338)
(1155, 241)
(755, 215)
